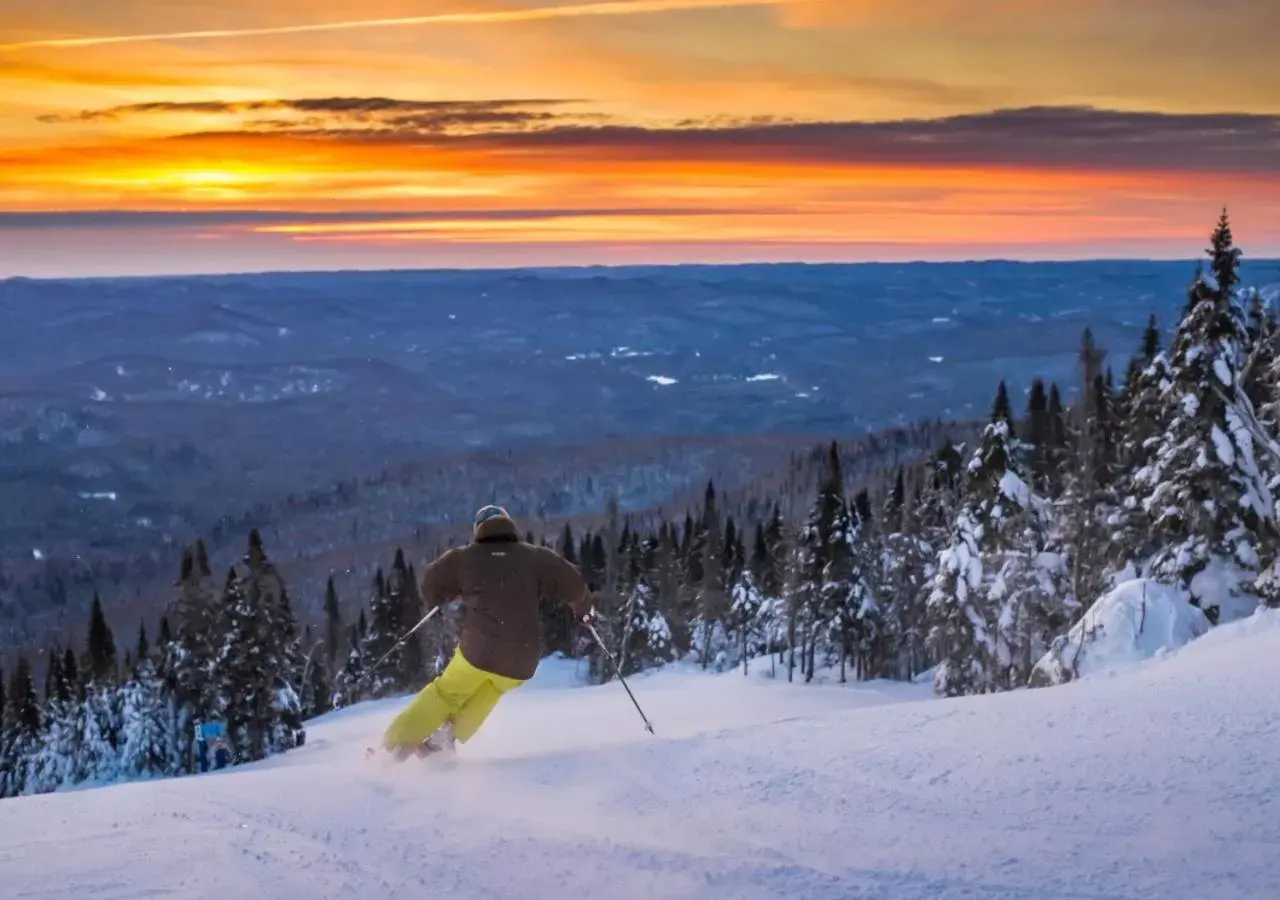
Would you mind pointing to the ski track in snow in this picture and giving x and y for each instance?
(1158, 781)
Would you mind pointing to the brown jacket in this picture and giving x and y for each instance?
(500, 579)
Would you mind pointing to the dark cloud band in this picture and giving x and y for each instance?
(1055, 137)
(1058, 137)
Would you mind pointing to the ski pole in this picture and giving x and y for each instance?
(399, 643)
(595, 634)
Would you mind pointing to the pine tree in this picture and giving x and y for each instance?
(1002, 411)
(99, 741)
(864, 626)
(54, 763)
(192, 663)
(100, 655)
(317, 680)
(99, 744)
(907, 569)
(1225, 259)
(143, 650)
(410, 666)
(259, 664)
(709, 580)
(23, 727)
(566, 545)
(1205, 496)
(148, 746)
(830, 591)
(351, 685)
(1038, 441)
(384, 628)
(998, 593)
(960, 636)
(333, 626)
(1261, 375)
(1057, 449)
(646, 636)
(71, 674)
(749, 609)
(668, 586)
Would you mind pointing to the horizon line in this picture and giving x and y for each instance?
(583, 267)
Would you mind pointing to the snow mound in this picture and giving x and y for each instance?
(1135, 622)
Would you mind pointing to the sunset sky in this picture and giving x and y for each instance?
(139, 136)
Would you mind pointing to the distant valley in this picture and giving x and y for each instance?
(136, 414)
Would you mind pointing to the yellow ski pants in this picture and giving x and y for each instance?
(462, 694)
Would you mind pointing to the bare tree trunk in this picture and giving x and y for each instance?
(811, 651)
(844, 645)
(791, 640)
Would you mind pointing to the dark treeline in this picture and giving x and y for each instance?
(971, 561)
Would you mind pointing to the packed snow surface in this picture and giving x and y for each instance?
(1158, 782)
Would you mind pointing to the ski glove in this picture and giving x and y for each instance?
(589, 618)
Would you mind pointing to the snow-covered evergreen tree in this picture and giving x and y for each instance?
(148, 745)
(960, 636)
(22, 732)
(907, 562)
(192, 658)
(1207, 499)
(351, 685)
(746, 604)
(258, 664)
(54, 763)
(998, 594)
(385, 625)
(102, 723)
(646, 639)
(710, 582)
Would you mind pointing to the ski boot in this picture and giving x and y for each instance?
(442, 741)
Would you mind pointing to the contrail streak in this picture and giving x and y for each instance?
(568, 11)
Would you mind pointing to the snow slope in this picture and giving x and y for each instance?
(1158, 782)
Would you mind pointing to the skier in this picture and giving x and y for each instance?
(499, 579)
